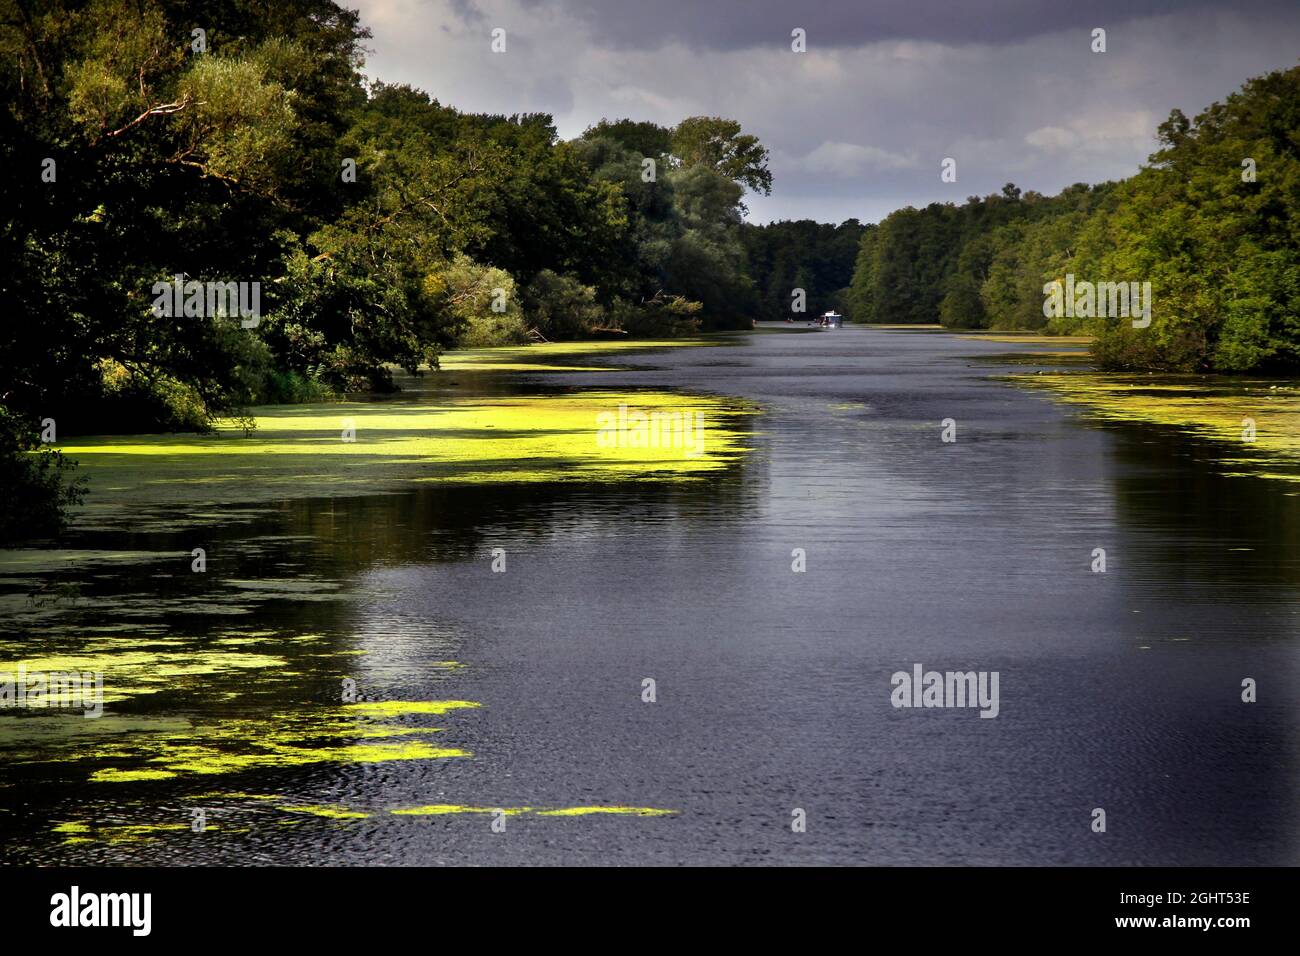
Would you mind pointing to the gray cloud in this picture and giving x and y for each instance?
(701, 24)
(858, 127)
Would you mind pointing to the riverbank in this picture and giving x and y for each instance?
(1255, 421)
(433, 431)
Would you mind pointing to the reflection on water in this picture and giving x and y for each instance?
(480, 696)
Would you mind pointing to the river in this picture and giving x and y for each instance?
(349, 680)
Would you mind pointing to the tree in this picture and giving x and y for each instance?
(816, 257)
(561, 307)
(1220, 248)
(719, 144)
(642, 138)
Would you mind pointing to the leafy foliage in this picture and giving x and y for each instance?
(381, 226)
(1220, 249)
(814, 256)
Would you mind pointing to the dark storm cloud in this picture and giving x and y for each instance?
(859, 124)
(703, 24)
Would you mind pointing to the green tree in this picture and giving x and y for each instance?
(720, 145)
(641, 138)
(1221, 249)
(561, 307)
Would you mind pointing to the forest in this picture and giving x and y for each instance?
(815, 257)
(1212, 222)
(157, 143)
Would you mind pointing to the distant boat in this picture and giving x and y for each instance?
(832, 320)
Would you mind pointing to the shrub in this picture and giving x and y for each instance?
(36, 489)
(660, 317)
(561, 307)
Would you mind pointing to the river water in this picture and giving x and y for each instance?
(1119, 691)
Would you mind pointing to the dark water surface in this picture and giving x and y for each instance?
(1119, 691)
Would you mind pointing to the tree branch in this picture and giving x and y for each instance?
(162, 109)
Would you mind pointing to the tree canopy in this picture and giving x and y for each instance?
(1212, 222)
(161, 141)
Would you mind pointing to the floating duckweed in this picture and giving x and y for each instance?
(205, 760)
(1030, 338)
(51, 729)
(1205, 407)
(394, 708)
(437, 809)
(138, 672)
(217, 795)
(585, 811)
(129, 776)
(525, 358)
(467, 363)
(297, 738)
(298, 451)
(325, 810)
(445, 808)
(79, 832)
(40, 561)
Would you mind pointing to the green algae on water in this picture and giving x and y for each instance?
(234, 745)
(394, 708)
(300, 451)
(1256, 422)
(543, 356)
(332, 812)
(440, 809)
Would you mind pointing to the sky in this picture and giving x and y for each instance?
(860, 123)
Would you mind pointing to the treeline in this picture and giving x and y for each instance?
(236, 142)
(815, 257)
(1212, 223)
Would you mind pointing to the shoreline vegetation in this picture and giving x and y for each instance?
(1190, 265)
(380, 231)
(1255, 421)
(374, 226)
(430, 433)
(433, 432)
